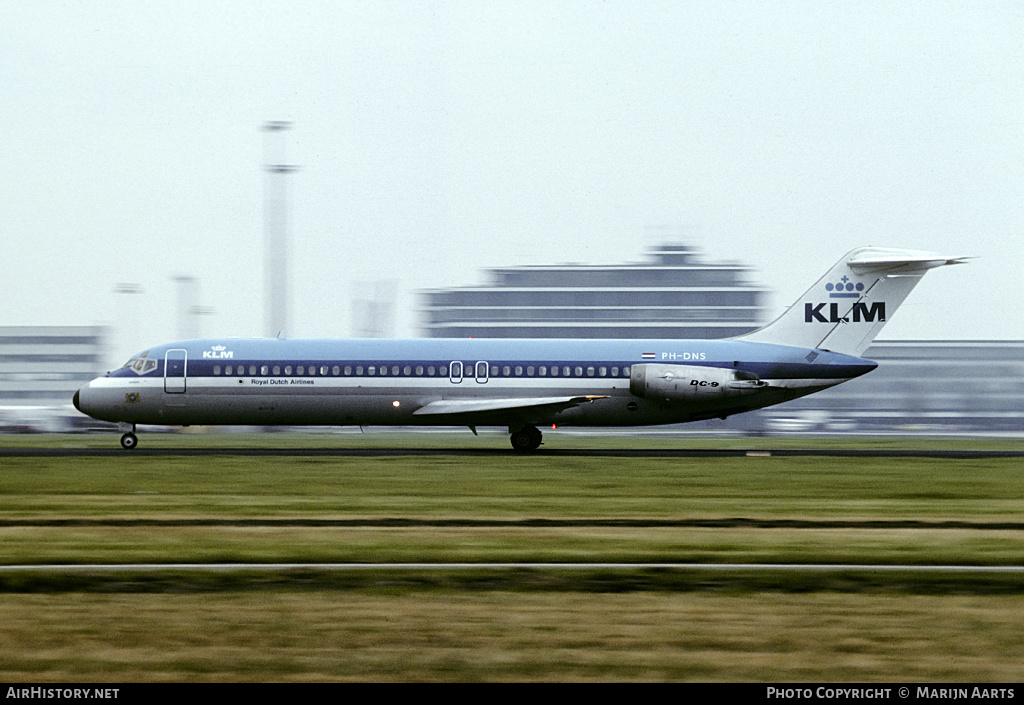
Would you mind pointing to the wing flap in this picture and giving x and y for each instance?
(476, 406)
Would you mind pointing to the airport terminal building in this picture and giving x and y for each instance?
(672, 295)
(43, 366)
(920, 386)
(46, 364)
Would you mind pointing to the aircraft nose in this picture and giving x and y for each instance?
(74, 400)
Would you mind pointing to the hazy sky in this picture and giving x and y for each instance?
(437, 139)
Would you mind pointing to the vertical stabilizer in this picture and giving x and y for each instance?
(846, 308)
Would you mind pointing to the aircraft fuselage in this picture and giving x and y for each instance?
(407, 382)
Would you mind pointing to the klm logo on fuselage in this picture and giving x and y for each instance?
(861, 313)
(218, 352)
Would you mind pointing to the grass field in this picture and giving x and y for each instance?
(509, 625)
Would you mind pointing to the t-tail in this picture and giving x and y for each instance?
(846, 308)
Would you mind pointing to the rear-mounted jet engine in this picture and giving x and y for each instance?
(679, 382)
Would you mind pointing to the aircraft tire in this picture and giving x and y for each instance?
(526, 439)
(129, 441)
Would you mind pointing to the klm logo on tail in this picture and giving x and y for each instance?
(845, 289)
(861, 313)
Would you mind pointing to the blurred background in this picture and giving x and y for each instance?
(541, 169)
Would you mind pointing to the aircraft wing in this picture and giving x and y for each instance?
(476, 406)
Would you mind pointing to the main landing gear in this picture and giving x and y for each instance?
(525, 439)
(129, 440)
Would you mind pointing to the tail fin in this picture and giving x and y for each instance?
(846, 308)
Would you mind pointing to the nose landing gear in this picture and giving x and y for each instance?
(129, 440)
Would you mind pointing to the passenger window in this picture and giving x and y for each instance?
(603, 372)
(336, 370)
(348, 370)
(216, 369)
(277, 370)
(372, 370)
(394, 370)
(430, 371)
(252, 370)
(359, 370)
(323, 370)
(590, 372)
(300, 370)
(554, 370)
(529, 371)
(264, 370)
(542, 370)
(506, 371)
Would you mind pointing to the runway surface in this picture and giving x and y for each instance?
(263, 451)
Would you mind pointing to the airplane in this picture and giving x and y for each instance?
(520, 384)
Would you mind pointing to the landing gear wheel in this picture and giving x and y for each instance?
(129, 441)
(525, 439)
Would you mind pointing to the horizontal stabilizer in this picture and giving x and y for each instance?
(476, 406)
(896, 261)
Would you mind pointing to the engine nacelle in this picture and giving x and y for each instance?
(676, 382)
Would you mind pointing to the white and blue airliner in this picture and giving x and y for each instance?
(516, 383)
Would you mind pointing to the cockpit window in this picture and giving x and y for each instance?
(141, 364)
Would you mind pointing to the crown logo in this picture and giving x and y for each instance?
(844, 289)
(218, 348)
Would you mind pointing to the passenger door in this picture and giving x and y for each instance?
(175, 362)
